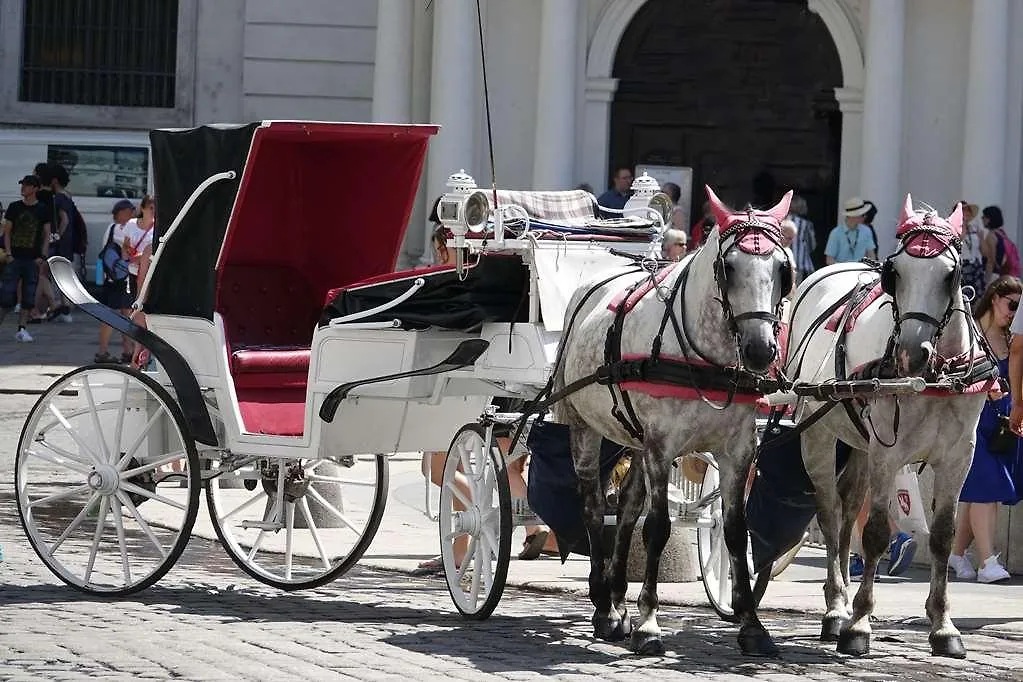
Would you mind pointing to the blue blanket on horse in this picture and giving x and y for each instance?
(782, 500)
(553, 489)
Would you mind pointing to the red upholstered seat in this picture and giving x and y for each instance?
(272, 360)
(275, 412)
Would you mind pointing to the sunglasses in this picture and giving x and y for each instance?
(1013, 303)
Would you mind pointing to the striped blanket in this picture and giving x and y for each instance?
(572, 210)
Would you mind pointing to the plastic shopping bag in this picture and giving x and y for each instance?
(907, 507)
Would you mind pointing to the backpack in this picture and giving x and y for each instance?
(1006, 255)
(115, 267)
(79, 232)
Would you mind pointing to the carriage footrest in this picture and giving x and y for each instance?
(262, 525)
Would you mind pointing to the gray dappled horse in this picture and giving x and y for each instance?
(715, 312)
(913, 321)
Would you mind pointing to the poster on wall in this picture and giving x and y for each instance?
(681, 176)
(103, 171)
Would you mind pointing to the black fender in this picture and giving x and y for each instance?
(180, 374)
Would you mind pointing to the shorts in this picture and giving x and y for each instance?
(26, 271)
(121, 294)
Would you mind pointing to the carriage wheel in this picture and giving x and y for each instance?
(298, 523)
(107, 480)
(782, 562)
(476, 586)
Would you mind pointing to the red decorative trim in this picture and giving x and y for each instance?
(836, 317)
(630, 300)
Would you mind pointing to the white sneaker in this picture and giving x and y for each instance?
(962, 566)
(17, 308)
(23, 336)
(992, 571)
(64, 317)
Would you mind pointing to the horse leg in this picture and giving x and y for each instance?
(818, 456)
(646, 638)
(754, 639)
(855, 639)
(948, 476)
(586, 456)
(632, 499)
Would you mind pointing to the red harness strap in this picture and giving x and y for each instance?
(630, 300)
(836, 317)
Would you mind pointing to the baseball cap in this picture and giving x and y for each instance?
(856, 207)
(30, 180)
(123, 204)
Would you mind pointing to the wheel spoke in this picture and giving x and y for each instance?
(143, 434)
(329, 507)
(61, 452)
(119, 524)
(101, 522)
(59, 496)
(55, 411)
(474, 589)
(77, 521)
(156, 464)
(470, 555)
(316, 478)
(315, 532)
(243, 506)
(77, 467)
(132, 488)
(289, 529)
(121, 410)
(133, 510)
(459, 495)
(95, 419)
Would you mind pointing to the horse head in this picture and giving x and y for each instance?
(923, 279)
(753, 274)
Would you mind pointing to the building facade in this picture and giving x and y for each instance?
(831, 97)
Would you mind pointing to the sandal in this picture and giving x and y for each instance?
(533, 545)
(434, 566)
(104, 359)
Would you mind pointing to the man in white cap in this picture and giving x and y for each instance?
(853, 241)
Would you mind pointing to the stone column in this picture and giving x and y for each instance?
(554, 151)
(600, 93)
(882, 117)
(455, 66)
(850, 103)
(986, 104)
(392, 69)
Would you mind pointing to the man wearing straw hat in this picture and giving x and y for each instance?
(853, 241)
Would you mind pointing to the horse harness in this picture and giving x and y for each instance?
(700, 372)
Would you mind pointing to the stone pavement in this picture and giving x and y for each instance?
(206, 620)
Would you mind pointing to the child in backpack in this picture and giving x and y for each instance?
(1000, 253)
(117, 285)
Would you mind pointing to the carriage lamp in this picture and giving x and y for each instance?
(464, 208)
(648, 200)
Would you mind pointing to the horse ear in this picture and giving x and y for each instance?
(721, 212)
(955, 220)
(907, 209)
(781, 209)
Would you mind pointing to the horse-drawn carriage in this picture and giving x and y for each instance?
(287, 349)
(292, 361)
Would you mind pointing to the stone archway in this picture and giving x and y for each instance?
(601, 87)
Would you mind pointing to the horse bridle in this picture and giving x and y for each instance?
(758, 230)
(888, 275)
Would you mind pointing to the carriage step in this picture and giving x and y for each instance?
(262, 525)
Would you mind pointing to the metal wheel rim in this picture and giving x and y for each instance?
(715, 567)
(131, 535)
(283, 553)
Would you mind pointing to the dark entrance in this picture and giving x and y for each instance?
(742, 91)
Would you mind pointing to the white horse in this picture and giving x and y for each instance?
(911, 320)
(713, 316)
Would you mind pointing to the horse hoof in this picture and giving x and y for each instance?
(950, 646)
(610, 631)
(831, 628)
(757, 643)
(854, 643)
(645, 644)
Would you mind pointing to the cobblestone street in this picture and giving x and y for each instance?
(207, 621)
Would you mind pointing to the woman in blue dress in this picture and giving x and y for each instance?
(992, 476)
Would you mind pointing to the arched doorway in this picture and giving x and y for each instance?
(742, 91)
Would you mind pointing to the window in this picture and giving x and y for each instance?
(120, 53)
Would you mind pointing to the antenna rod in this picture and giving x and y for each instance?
(486, 101)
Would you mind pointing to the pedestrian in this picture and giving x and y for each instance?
(675, 244)
(852, 241)
(974, 234)
(64, 216)
(117, 284)
(996, 456)
(26, 229)
(805, 241)
(1001, 257)
(674, 193)
(139, 252)
(616, 197)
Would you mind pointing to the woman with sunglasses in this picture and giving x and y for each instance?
(995, 460)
